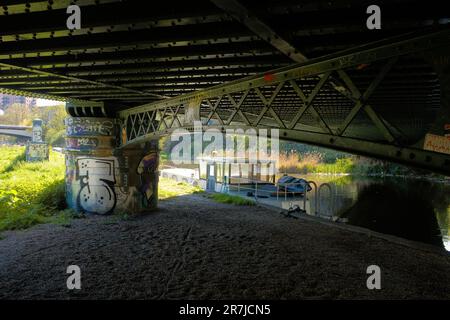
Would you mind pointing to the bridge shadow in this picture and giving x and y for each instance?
(402, 210)
(14, 162)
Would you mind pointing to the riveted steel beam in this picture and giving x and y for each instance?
(99, 15)
(189, 33)
(261, 102)
(97, 83)
(31, 94)
(313, 67)
(258, 27)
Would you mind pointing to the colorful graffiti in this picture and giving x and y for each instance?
(37, 134)
(84, 143)
(97, 179)
(89, 126)
(37, 152)
(131, 200)
(146, 171)
(37, 131)
(101, 179)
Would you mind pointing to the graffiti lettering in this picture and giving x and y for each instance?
(146, 168)
(37, 152)
(82, 126)
(447, 131)
(37, 131)
(37, 134)
(81, 143)
(97, 181)
(436, 143)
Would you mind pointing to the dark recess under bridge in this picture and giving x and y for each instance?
(383, 93)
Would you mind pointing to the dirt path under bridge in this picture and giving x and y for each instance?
(197, 249)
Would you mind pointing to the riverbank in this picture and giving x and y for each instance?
(210, 250)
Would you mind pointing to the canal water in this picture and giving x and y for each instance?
(408, 207)
(411, 208)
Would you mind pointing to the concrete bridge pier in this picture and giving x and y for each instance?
(102, 179)
(440, 60)
(37, 149)
(438, 138)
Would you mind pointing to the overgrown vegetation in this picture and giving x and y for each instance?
(231, 199)
(31, 193)
(34, 193)
(22, 114)
(342, 163)
(313, 162)
(169, 188)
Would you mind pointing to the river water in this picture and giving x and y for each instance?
(411, 208)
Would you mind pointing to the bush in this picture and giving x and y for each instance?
(230, 199)
(29, 192)
(19, 220)
(169, 188)
(56, 137)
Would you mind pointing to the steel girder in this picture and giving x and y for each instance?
(310, 90)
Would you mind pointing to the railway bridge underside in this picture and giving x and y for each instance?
(128, 81)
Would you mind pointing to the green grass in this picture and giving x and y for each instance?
(169, 188)
(346, 165)
(343, 165)
(230, 199)
(10, 157)
(31, 193)
(34, 193)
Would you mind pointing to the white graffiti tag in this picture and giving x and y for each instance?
(37, 134)
(97, 180)
(79, 126)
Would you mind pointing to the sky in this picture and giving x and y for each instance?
(48, 103)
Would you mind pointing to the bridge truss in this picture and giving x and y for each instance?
(342, 101)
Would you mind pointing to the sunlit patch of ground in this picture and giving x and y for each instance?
(169, 188)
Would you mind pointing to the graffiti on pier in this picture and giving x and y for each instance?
(146, 171)
(37, 134)
(97, 179)
(37, 131)
(37, 152)
(84, 143)
(436, 143)
(89, 126)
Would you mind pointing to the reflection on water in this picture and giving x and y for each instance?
(409, 208)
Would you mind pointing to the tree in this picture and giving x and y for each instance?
(53, 118)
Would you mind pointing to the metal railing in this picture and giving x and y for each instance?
(331, 197)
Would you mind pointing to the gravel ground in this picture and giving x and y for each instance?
(193, 248)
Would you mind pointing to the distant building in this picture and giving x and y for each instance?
(7, 100)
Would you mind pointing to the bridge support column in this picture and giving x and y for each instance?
(37, 149)
(102, 179)
(440, 60)
(438, 138)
